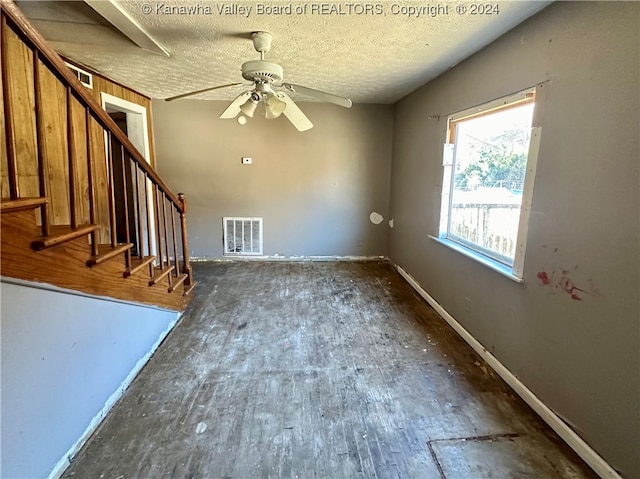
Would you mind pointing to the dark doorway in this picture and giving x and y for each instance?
(124, 190)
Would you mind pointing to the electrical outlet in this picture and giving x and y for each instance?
(247, 161)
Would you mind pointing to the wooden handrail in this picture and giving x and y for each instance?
(48, 55)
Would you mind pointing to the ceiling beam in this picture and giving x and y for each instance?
(113, 12)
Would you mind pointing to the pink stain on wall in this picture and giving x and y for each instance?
(561, 281)
(544, 278)
(569, 288)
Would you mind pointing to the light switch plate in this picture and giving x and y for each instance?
(247, 161)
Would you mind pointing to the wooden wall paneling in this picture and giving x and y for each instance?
(152, 143)
(80, 150)
(152, 138)
(4, 167)
(20, 79)
(102, 84)
(54, 120)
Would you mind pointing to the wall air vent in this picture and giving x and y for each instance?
(242, 236)
(85, 78)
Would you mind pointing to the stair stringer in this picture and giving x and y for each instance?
(65, 265)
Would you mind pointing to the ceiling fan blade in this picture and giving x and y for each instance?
(320, 95)
(232, 110)
(295, 114)
(200, 91)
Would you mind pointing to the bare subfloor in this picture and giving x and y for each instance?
(318, 370)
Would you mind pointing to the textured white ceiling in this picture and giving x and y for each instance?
(376, 58)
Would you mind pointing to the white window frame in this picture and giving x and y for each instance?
(77, 70)
(514, 271)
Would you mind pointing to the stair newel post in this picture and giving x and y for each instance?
(41, 160)
(175, 239)
(72, 159)
(186, 266)
(112, 194)
(90, 183)
(12, 161)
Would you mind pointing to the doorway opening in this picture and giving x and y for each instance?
(131, 118)
(123, 190)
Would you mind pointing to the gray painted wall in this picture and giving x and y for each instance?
(63, 356)
(580, 357)
(315, 189)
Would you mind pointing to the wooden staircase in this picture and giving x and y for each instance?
(119, 231)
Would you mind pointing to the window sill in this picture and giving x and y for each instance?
(483, 260)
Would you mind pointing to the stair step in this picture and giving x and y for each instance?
(61, 234)
(177, 282)
(106, 252)
(137, 264)
(160, 273)
(188, 291)
(21, 204)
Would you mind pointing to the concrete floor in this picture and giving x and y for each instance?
(318, 370)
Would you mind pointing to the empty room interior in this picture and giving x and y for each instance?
(419, 259)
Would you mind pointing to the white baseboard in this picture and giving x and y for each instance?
(65, 461)
(275, 258)
(588, 455)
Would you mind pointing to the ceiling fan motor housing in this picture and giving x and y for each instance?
(263, 71)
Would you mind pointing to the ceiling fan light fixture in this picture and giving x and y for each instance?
(266, 76)
(274, 107)
(249, 107)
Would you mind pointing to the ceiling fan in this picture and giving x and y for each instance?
(276, 101)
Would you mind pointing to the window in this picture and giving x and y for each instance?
(489, 166)
(85, 77)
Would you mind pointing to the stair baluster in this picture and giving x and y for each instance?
(148, 215)
(158, 233)
(126, 165)
(90, 183)
(112, 191)
(12, 165)
(72, 160)
(40, 156)
(165, 234)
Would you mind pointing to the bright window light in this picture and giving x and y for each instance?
(489, 164)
